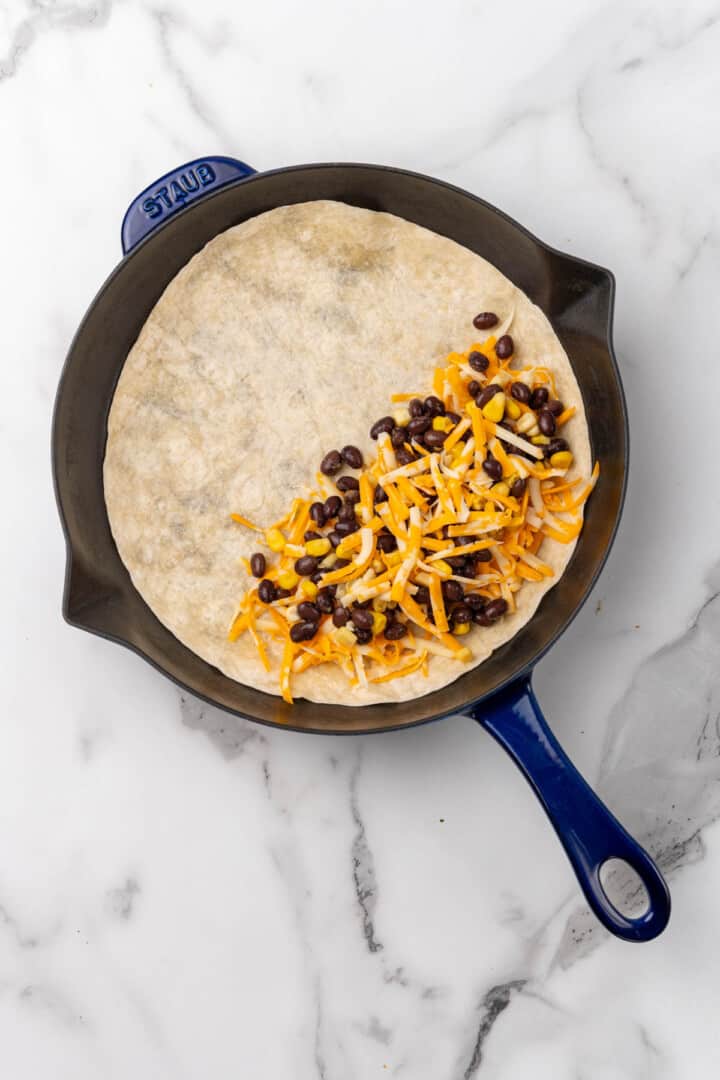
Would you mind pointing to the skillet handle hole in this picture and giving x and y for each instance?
(624, 888)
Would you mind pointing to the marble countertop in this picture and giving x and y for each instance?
(184, 895)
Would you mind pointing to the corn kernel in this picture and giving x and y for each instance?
(525, 423)
(461, 628)
(288, 579)
(328, 562)
(379, 604)
(343, 549)
(318, 547)
(401, 417)
(444, 569)
(344, 636)
(394, 558)
(379, 622)
(540, 440)
(308, 588)
(378, 565)
(495, 408)
(275, 540)
(562, 460)
(456, 453)
(442, 423)
(512, 409)
(500, 488)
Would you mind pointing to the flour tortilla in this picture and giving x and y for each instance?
(283, 338)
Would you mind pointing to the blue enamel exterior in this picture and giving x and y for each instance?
(588, 831)
(174, 191)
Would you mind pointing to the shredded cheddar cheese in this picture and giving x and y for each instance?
(448, 530)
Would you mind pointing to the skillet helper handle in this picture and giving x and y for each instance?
(174, 191)
(588, 831)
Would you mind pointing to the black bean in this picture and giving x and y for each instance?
(539, 397)
(521, 392)
(434, 406)
(422, 596)
(404, 456)
(362, 617)
(483, 556)
(385, 423)
(339, 563)
(363, 604)
(395, 630)
(492, 467)
(347, 510)
(487, 393)
(347, 483)
(352, 456)
(325, 600)
(546, 422)
(362, 636)
(474, 601)
(309, 612)
(340, 615)
(334, 537)
(331, 506)
(419, 425)
(398, 437)
(478, 362)
(505, 347)
(345, 528)
(303, 631)
(331, 463)
(311, 535)
(266, 591)
(317, 577)
(452, 591)
(480, 617)
(435, 439)
(485, 320)
(280, 594)
(555, 446)
(456, 561)
(453, 417)
(555, 406)
(386, 542)
(416, 407)
(474, 388)
(517, 488)
(496, 608)
(317, 513)
(461, 614)
(306, 565)
(257, 564)
(352, 498)
(380, 494)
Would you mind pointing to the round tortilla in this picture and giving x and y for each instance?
(283, 338)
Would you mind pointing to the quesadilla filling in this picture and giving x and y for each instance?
(393, 560)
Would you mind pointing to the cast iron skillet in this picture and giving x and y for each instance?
(163, 228)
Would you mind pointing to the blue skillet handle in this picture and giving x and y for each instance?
(588, 831)
(176, 190)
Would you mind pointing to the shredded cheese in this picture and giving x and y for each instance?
(439, 507)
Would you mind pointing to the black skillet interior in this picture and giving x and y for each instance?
(575, 295)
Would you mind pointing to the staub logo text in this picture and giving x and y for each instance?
(176, 191)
